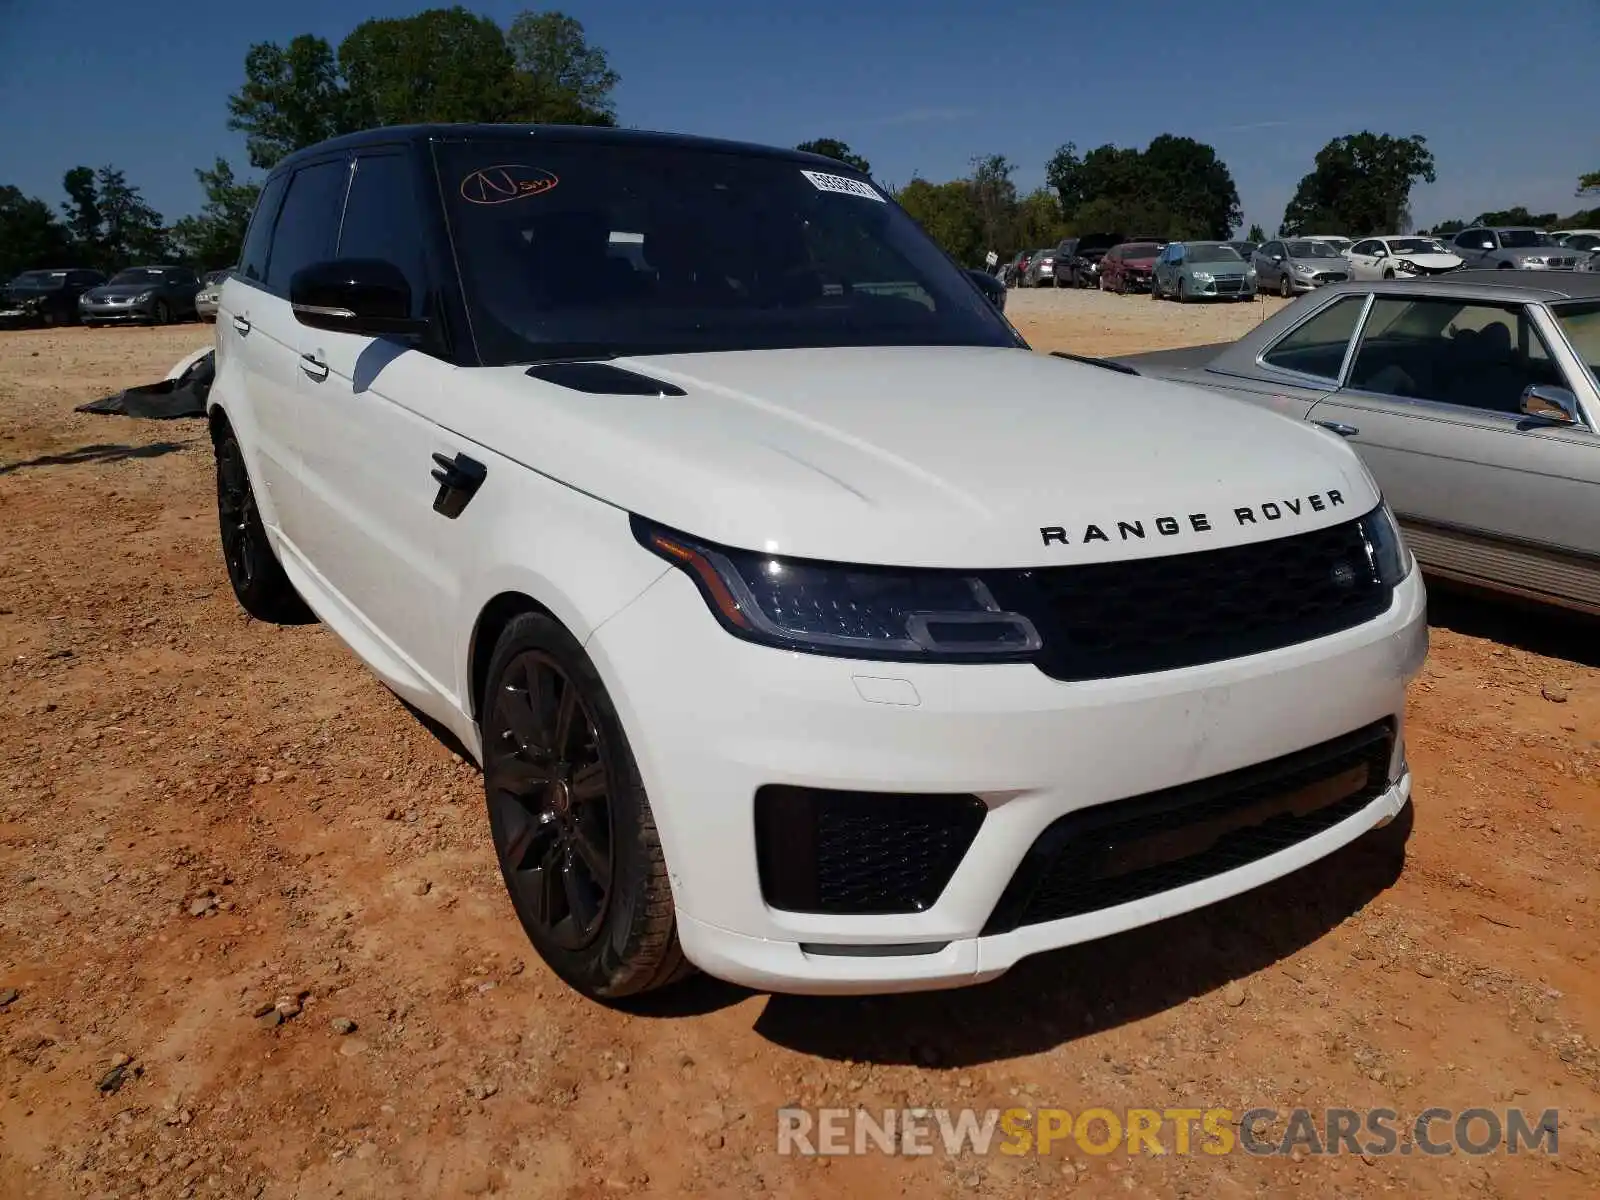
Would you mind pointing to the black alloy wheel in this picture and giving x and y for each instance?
(572, 826)
(549, 795)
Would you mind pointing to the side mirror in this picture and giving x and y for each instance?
(990, 287)
(1550, 403)
(1380, 252)
(366, 296)
(1277, 258)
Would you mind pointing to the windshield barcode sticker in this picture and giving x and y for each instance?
(842, 184)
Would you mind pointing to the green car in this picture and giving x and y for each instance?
(1202, 271)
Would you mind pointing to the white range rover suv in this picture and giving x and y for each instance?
(809, 628)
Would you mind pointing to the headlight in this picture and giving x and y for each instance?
(1405, 264)
(1303, 269)
(142, 297)
(86, 299)
(855, 611)
(1250, 273)
(1536, 260)
(1387, 550)
(1201, 276)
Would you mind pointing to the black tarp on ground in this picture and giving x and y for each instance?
(184, 396)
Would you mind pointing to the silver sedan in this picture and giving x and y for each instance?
(1473, 398)
(205, 303)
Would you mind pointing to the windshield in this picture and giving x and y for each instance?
(1416, 246)
(1211, 252)
(1520, 239)
(1140, 250)
(139, 275)
(724, 251)
(1311, 250)
(1581, 324)
(39, 281)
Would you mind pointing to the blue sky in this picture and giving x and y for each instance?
(1505, 94)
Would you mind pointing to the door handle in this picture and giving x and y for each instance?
(242, 324)
(459, 479)
(1340, 428)
(314, 367)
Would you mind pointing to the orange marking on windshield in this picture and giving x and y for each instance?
(503, 183)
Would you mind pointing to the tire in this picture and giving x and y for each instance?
(1388, 273)
(1505, 266)
(1183, 292)
(260, 585)
(572, 827)
(160, 313)
(1155, 288)
(1285, 288)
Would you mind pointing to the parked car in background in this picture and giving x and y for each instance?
(1079, 266)
(1387, 257)
(1299, 265)
(144, 295)
(205, 301)
(1474, 398)
(1586, 242)
(1201, 271)
(1339, 243)
(1245, 249)
(46, 297)
(1011, 272)
(1509, 249)
(1129, 267)
(1041, 270)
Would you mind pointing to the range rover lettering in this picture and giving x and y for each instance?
(809, 628)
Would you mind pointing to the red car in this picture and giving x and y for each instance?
(1129, 267)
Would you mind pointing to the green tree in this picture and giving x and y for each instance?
(1360, 184)
(1517, 215)
(948, 214)
(1037, 223)
(1447, 228)
(837, 150)
(562, 79)
(1256, 235)
(292, 98)
(1589, 183)
(444, 64)
(110, 224)
(212, 238)
(1176, 187)
(994, 196)
(30, 235)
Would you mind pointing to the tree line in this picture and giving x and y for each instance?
(449, 64)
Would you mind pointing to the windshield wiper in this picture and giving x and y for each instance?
(1108, 364)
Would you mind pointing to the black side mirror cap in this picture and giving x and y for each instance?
(366, 296)
(990, 287)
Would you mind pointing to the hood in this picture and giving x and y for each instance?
(931, 456)
(107, 291)
(1338, 263)
(1142, 263)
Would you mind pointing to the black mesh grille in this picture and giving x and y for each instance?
(1113, 853)
(859, 852)
(1101, 620)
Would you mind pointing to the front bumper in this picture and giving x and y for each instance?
(1217, 288)
(206, 308)
(105, 314)
(711, 719)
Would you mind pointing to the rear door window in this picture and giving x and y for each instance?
(1317, 346)
(308, 227)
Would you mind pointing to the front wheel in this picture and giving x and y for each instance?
(572, 826)
(160, 313)
(1183, 292)
(1285, 288)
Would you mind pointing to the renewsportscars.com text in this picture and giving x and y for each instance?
(1161, 1131)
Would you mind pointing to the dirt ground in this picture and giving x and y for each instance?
(201, 814)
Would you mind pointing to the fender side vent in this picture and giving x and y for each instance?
(602, 379)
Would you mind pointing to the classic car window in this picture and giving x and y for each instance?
(1476, 355)
(1317, 346)
(1581, 324)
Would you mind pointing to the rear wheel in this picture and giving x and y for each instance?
(263, 590)
(1285, 288)
(572, 827)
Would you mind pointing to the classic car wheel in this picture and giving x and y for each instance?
(260, 585)
(1285, 288)
(573, 831)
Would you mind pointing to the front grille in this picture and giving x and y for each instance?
(1329, 277)
(823, 851)
(1227, 284)
(1125, 850)
(1102, 620)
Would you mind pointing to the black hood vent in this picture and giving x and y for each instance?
(602, 379)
